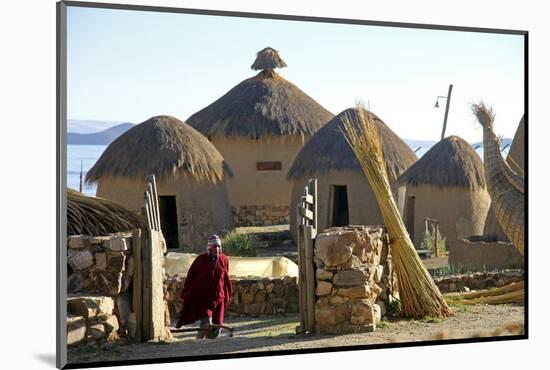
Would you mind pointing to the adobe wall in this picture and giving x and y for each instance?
(479, 255)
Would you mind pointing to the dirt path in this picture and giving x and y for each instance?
(277, 333)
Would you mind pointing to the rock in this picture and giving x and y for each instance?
(75, 282)
(453, 287)
(255, 309)
(269, 287)
(323, 288)
(332, 250)
(322, 274)
(359, 291)
(377, 313)
(332, 315)
(108, 282)
(279, 290)
(247, 297)
(97, 240)
(336, 299)
(78, 241)
(382, 306)
(350, 277)
(79, 259)
(117, 244)
(260, 296)
(76, 330)
(90, 306)
(100, 261)
(362, 312)
(111, 323)
(378, 273)
(353, 263)
(123, 308)
(116, 261)
(95, 332)
(131, 325)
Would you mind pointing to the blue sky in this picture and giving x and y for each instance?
(131, 65)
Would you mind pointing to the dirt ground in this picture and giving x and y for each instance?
(277, 333)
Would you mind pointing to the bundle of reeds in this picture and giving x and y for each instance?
(417, 291)
(512, 293)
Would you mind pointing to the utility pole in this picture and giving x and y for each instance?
(446, 111)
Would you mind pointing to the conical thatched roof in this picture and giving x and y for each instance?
(268, 58)
(328, 150)
(516, 154)
(98, 216)
(264, 105)
(451, 162)
(163, 146)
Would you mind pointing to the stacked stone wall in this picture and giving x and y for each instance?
(260, 215)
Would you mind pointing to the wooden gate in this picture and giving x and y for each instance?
(306, 233)
(148, 290)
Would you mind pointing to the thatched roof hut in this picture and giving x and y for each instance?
(259, 126)
(344, 193)
(447, 184)
(190, 176)
(97, 216)
(516, 160)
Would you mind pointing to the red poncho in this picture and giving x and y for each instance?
(207, 290)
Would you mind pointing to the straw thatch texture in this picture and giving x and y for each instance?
(261, 106)
(328, 150)
(97, 216)
(163, 146)
(268, 58)
(451, 162)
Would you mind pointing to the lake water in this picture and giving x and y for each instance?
(89, 154)
(86, 155)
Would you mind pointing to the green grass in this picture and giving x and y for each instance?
(241, 245)
(428, 242)
(382, 325)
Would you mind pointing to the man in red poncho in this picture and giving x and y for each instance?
(207, 288)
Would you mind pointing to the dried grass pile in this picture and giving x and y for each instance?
(512, 293)
(418, 293)
(97, 216)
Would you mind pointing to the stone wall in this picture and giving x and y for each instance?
(100, 274)
(479, 280)
(260, 215)
(477, 254)
(354, 277)
(252, 296)
(91, 319)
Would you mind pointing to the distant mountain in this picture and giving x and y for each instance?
(104, 137)
(424, 144)
(82, 126)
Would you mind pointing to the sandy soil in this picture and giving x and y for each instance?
(277, 333)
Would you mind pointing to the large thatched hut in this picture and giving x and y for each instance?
(516, 160)
(190, 175)
(259, 126)
(344, 194)
(446, 184)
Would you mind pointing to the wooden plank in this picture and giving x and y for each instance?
(310, 278)
(308, 198)
(146, 299)
(301, 280)
(156, 202)
(307, 214)
(314, 234)
(157, 292)
(151, 200)
(137, 282)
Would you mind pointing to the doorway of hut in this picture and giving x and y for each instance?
(409, 215)
(340, 209)
(169, 220)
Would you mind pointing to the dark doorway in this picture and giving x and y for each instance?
(409, 216)
(340, 211)
(169, 220)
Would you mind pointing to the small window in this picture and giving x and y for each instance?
(268, 166)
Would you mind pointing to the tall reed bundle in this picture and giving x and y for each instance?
(417, 291)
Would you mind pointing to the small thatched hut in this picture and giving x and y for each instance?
(446, 184)
(97, 216)
(259, 126)
(190, 175)
(516, 160)
(344, 194)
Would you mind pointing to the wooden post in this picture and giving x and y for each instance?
(436, 232)
(310, 277)
(301, 280)
(156, 201)
(137, 281)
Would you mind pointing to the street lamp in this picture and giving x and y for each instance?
(448, 97)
